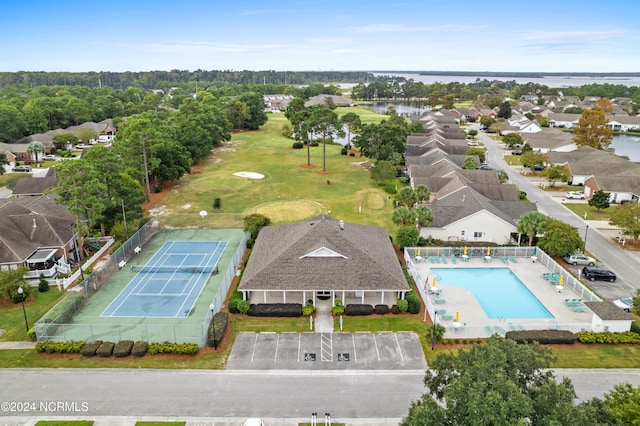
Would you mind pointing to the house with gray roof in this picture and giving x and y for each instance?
(607, 317)
(323, 258)
(35, 186)
(38, 234)
(550, 140)
(339, 101)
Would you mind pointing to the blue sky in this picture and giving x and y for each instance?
(291, 35)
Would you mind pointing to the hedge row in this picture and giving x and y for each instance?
(221, 322)
(173, 348)
(50, 347)
(381, 309)
(232, 304)
(545, 337)
(608, 337)
(123, 348)
(276, 310)
(413, 302)
(355, 309)
(139, 348)
(105, 349)
(64, 310)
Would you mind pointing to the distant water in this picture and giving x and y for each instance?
(549, 81)
(627, 145)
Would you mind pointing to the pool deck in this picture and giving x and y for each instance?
(472, 318)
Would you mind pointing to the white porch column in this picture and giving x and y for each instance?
(264, 297)
(284, 296)
(343, 302)
(304, 298)
(333, 298)
(382, 297)
(362, 298)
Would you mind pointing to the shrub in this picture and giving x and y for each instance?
(173, 348)
(217, 203)
(139, 348)
(308, 310)
(352, 154)
(122, 348)
(250, 243)
(413, 302)
(542, 336)
(336, 311)
(608, 337)
(233, 301)
(635, 327)
(390, 187)
(402, 305)
(395, 309)
(344, 151)
(523, 195)
(105, 349)
(221, 322)
(43, 284)
(64, 310)
(31, 334)
(381, 309)
(50, 347)
(297, 145)
(355, 309)
(90, 348)
(243, 306)
(276, 310)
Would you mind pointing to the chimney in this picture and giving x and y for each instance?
(341, 225)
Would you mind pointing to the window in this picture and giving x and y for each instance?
(477, 235)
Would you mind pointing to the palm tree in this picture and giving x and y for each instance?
(532, 223)
(424, 215)
(403, 216)
(3, 162)
(34, 149)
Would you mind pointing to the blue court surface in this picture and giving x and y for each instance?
(171, 281)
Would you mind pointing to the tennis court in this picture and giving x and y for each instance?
(169, 284)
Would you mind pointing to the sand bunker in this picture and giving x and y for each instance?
(249, 175)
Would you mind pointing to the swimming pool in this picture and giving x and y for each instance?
(498, 290)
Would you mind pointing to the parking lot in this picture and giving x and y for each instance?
(327, 351)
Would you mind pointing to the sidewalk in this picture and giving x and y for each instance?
(17, 345)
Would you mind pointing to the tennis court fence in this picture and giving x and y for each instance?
(57, 324)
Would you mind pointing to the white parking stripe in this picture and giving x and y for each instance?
(399, 348)
(375, 342)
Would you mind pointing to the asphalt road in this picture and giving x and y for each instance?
(610, 255)
(382, 397)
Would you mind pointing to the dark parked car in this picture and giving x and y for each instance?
(538, 168)
(592, 273)
(516, 152)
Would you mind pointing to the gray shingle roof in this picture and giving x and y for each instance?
(367, 261)
(606, 310)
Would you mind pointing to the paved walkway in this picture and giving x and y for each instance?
(17, 345)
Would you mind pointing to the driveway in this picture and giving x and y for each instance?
(610, 254)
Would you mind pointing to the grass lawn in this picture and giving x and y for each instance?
(289, 191)
(12, 317)
(9, 180)
(592, 213)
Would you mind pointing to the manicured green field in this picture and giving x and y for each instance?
(12, 317)
(289, 192)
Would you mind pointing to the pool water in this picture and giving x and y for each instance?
(498, 290)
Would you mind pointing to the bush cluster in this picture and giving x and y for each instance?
(297, 145)
(276, 310)
(413, 302)
(221, 322)
(90, 348)
(232, 304)
(139, 348)
(51, 347)
(105, 349)
(358, 309)
(403, 305)
(122, 348)
(395, 309)
(381, 309)
(243, 306)
(173, 348)
(545, 337)
(64, 310)
(608, 337)
(308, 310)
(337, 310)
(344, 151)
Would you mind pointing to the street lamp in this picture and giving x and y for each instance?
(213, 326)
(22, 296)
(584, 249)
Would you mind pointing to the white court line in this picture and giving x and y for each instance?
(299, 345)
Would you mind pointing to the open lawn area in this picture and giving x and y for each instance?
(12, 317)
(289, 192)
(592, 213)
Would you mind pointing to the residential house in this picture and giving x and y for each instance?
(38, 234)
(550, 140)
(339, 101)
(320, 259)
(562, 120)
(35, 186)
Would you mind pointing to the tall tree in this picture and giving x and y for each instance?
(592, 130)
(12, 123)
(500, 382)
(407, 197)
(469, 163)
(352, 123)
(384, 141)
(3, 162)
(532, 223)
(324, 122)
(423, 193)
(424, 215)
(505, 110)
(403, 216)
(556, 173)
(627, 217)
(623, 402)
(297, 114)
(560, 238)
(383, 171)
(35, 149)
(600, 200)
(257, 115)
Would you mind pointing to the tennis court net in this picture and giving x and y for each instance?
(175, 269)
